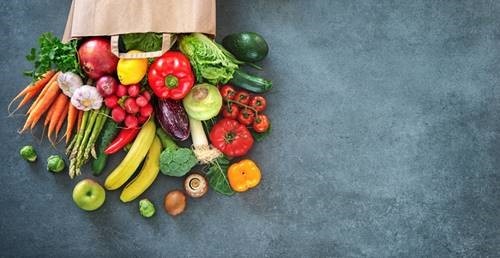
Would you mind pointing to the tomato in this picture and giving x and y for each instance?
(246, 116)
(242, 97)
(258, 103)
(261, 123)
(230, 111)
(227, 92)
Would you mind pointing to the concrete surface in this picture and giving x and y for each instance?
(385, 143)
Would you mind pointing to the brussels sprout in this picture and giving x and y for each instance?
(146, 208)
(28, 153)
(55, 164)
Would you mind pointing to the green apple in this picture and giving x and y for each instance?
(89, 195)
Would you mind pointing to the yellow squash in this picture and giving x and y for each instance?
(133, 158)
(146, 176)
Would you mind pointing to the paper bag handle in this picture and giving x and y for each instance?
(167, 42)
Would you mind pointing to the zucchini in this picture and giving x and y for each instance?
(108, 134)
(250, 82)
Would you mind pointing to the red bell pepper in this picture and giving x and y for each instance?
(170, 76)
(231, 137)
(124, 137)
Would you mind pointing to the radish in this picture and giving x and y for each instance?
(141, 101)
(111, 101)
(147, 110)
(118, 114)
(131, 121)
(121, 90)
(131, 106)
(133, 90)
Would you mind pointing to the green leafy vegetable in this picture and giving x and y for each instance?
(210, 60)
(52, 53)
(146, 42)
(217, 176)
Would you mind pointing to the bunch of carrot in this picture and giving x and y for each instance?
(51, 102)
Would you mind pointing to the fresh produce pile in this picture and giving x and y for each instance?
(192, 112)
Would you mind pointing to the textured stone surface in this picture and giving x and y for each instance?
(385, 142)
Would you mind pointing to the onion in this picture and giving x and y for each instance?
(96, 58)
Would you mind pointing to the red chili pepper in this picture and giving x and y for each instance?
(231, 137)
(124, 137)
(170, 76)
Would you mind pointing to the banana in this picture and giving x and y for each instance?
(135, 155)
(146, 176)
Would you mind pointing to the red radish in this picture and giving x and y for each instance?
(96, 58)
(106, 85)
(131, 106)
(133, 90)
(131, 121)
(142, 119)
(121, 90)
(111, 101)
(118, 114)
(147, 95)
(146, 110)
(141, 101)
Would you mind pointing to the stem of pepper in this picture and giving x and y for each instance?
(171, 81)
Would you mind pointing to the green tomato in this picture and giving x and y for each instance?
(55, 164)
(146, 208)
(28, 153)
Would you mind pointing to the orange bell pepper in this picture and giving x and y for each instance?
(243, 175)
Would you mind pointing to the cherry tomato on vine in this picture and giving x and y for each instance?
(242, 97)
(230, 111)
(258, 103)
(227, 92)
(261, 123)
(246, 116)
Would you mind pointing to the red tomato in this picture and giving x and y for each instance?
(227, 92)
(242, 97)
(261, 123)
(246, 116)
(258, 103)
(230, 111)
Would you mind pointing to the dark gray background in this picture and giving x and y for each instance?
(385, 143)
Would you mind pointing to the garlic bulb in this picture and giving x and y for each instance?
(86, 97)
(69, 82)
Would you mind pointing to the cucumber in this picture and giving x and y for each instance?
(246, 46)
(107, 135)
(250, 82)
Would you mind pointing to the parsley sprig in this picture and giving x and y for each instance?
(53, 54)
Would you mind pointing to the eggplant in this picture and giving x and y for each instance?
(172, 118)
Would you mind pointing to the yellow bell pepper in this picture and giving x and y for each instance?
(243, 175)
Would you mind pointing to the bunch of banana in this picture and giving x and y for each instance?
(146, 143)
(146, 176)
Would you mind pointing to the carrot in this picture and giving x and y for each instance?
(48, 117)
(42, 106)
(43, 92)
(79, 123)
(62, 118)
(31, 90)
(58, 108)
(73, 115)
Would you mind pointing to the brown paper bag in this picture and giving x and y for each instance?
(115, 17)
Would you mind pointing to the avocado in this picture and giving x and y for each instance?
(246, 46)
